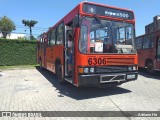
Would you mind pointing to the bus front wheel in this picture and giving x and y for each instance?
(150, 67)
(59, 74)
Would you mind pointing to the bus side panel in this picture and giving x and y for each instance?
(52, 54)
(144, 55)
(40, 56)
(136, 59)
(141, 59)
(58, 53)
(49, 60)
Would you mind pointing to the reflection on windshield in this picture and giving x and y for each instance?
(103, 36)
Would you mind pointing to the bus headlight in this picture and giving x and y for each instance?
(91, 70)
(134, 67)
(86, 70)
(130, 68)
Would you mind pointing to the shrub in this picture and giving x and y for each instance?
(17, 52)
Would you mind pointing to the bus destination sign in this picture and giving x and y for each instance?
(106, 11)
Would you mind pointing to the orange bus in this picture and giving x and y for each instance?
(102, 47)
(148, 48)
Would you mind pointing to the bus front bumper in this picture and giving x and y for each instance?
(106, 79)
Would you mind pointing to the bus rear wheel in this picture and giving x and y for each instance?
(150, 68)
(59, 74)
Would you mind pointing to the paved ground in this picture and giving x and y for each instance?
(35, 90)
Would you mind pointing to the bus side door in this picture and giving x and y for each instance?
(68, 32)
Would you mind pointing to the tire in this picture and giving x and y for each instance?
(150, 68)
(59, 74)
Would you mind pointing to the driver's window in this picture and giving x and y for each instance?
(84, 39)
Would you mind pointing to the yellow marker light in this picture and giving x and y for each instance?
(80, 70)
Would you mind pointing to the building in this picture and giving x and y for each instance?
(154, 26)
(14, 36)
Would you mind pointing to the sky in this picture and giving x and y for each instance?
(49, 12)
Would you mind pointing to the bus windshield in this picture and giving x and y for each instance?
(105, 36)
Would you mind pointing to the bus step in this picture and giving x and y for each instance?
(69, 79)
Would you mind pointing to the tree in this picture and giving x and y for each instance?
(30, 24)
(6, 26)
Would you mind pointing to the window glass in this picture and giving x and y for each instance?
(101, 34)
(83, 40)
(152, 39)
(148, 41)
(124, 35)
(53, 38)
(104, 36)
(49, 38)
(60, 35)
(121, 35)
(41, 43)
(139, 42)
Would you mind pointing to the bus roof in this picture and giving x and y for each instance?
(76, 9)
(157, 31)
(104, 5)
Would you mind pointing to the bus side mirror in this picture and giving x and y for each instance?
(77, 21)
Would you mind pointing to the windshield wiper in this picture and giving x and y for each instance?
(97, 19)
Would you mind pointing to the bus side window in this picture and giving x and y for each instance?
(52, 38)
(146, 42)
(49, 38)
(41, 43)
(152, 39)
(139, 42)
(60, 34)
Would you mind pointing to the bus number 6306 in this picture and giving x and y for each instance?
(97, 61)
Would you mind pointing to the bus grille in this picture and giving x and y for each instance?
(120, 61)
(111, 69)
(111, 78)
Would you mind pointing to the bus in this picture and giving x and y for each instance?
(148, 49)
(103, 46)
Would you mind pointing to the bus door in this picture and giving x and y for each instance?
(69, 32)
(158, 53)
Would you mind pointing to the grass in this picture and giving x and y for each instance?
(19, 67)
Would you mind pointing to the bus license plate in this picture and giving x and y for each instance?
(131, 76)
